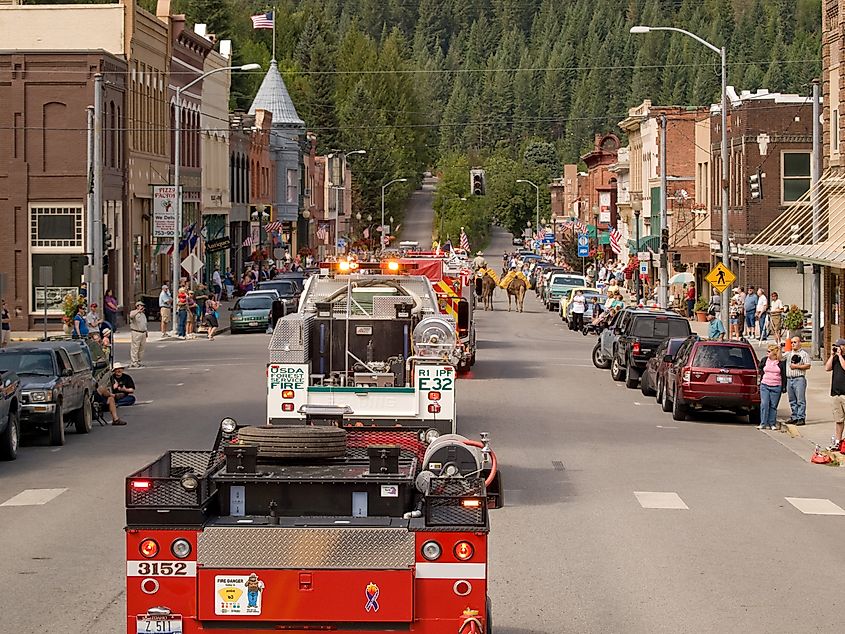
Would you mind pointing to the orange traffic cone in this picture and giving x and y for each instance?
(787, 344)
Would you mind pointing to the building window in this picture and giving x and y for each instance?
(56, 227)
(292, 188)
(834, 131)
(796, 175)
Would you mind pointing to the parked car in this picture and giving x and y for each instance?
(606, 342)
(10, 427)
(251, 312)
(654, 376)
(298, 277)
(638, 340)
(288, 290)
(542, 277)
(565, 301)
(518, 242)
(713, 375)
(56, 381)
(559, 285)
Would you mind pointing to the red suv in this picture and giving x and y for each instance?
(713, 375)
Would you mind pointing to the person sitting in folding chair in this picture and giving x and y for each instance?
(120, 392)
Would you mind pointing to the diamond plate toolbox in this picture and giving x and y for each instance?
(289, 343)
(314, 548)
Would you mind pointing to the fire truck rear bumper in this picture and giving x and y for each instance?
(424, 626)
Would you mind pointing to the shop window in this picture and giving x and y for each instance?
(796, 175)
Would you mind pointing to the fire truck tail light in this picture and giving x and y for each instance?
(392, 266)
(287, 407)
(434, 408)
(287, 393)
(464, 550)
(141, 485)
(148, 548)
(431, 550)
(434, 396)
(180, 548)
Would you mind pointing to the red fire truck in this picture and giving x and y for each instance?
(311, 528)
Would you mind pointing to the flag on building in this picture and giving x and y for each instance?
(262, 20)
(580, 227)
(249, 241)
(464, 241)
(616, 241)
(273, 226)
(322, 233)
(541, 234)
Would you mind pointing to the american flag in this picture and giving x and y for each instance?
(273, 226)
(580, 227)
(616, 241)
(464, 241)
(262, 20)
(322, 233)
(249, 241)
(541, 234)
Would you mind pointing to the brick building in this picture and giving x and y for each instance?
(772, 133)
(44, 98)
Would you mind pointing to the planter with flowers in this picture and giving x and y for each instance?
(793, 321)
(700, 308)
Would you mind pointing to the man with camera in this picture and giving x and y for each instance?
(836, 364)
(796, 382)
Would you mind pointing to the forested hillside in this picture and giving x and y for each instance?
(414, 80)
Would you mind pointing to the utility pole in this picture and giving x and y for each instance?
(663, 289)
(89, 200)
(815, 292)
(95, 286)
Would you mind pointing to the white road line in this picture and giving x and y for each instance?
(660, 500)
(816, 506)
(665, 427)
(33, 497)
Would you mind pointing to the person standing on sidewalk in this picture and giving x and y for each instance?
(772, 385)
(138, 325)
(750, 311)
(192, 315)
(211, 321)
(776, 310)
(691, 300)
(165, 308)
(111, 308)
(836, 364)
(181, 312)
(762, 314)
(796, 381)
(716, 329)
(579, 307)
(5, 325)
(80, 326)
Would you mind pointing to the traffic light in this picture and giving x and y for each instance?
(107, 239)
(477, 182)
(105, 264)
(755, 183)
(664, 240)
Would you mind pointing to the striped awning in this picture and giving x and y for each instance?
(791, 235)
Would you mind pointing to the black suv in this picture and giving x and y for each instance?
(637, 339)
(57, 379)
(288, 289)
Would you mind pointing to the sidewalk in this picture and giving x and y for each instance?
(819, 428)
(123, 335)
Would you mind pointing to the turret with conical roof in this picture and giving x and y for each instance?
(273, 96)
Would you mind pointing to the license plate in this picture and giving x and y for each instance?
(253, 323)
(151, 624)
(724, 379)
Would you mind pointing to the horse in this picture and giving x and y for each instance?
(516, 289)
(488, 286)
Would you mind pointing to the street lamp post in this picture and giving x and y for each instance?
(383, 188)
(177, 158)
(637, 240)
(726, 242)
(537, 205)
(338, 189)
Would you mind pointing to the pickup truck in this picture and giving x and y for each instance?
(57, 380)
(10, 427)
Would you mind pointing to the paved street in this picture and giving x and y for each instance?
(578, 547)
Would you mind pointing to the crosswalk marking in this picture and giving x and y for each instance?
(816, 506)
(33, 497)
(660, 500)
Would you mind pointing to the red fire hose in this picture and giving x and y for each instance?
(494, 467)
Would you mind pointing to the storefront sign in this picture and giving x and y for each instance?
(218, 244)
(164, 211)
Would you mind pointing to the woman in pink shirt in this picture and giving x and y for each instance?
(772, 385)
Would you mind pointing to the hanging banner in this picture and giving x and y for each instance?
(164, 211)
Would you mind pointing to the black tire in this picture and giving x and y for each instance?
(489, 618)
(679, 411)
(463, 367)
(754, 416)
(10, 438)
(666, 402)
(597, 359)
(84, 416)
(296, 441)
(645, 388)
(632, 378)
(57, 427)
(617, 373)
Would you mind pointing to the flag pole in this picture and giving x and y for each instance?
(274, 33)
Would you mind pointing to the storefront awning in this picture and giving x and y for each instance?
(790, 237)
(646, 243)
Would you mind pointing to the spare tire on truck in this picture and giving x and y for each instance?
(295, 441)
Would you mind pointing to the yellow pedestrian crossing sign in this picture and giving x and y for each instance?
(720, 277)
